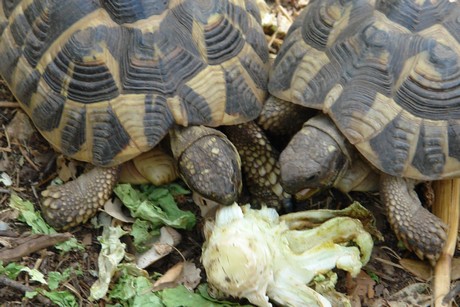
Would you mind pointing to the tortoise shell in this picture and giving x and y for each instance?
(105, 80)
(387, 73)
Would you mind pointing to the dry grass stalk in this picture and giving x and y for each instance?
(447, 207)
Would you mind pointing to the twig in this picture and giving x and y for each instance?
(24, 154)
(452, 294)
(9, 104)
(23, 288)
(273, 37)
(4, 191)
(283, 11)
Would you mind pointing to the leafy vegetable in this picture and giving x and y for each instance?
(35, 275)
(252, 254)
(156, 205)
(55, 279)
(135, 291)
(61, 298)
(37, 223)
(153, 207)
(112, 252)
(12, 270)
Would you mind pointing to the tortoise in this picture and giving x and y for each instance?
(106, 81)
(385, 75)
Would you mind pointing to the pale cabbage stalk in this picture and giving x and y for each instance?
(253, 254)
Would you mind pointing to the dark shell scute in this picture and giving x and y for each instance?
(157, 119)
(452, 23)
(81, 60)
(290, 56)
(453, 134)
(27, 86)
(252, 9)
(429, 157)
(434, 95)
(240, 98)
(74, 132)
(394, 139)
(257, 41)
(223, 41)
(47, 115)
(129, 11)
(37, 37)
(414, 16)
(109, 136)
(197, 109)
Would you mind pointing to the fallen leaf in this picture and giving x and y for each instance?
(414, 295)
(66, 169)
(35, 275)
(183, 273)
(112, 252)
(169, 279)
(5, 179)
(423, 270)
(418, 268)
(115, 210)
(20, 127)
(361, 287)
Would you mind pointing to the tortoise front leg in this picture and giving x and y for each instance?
(73, 203)
(421, 231)
(260, 163)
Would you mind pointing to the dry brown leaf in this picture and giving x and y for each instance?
(183, 273)
(115, 210)
(87, 239)
(418, 268)
(9, 214)
(20, 127)
(361, 287)
(169, 279)
(66, 168)
(414, 295)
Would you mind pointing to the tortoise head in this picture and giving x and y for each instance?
(208, 163)
(315, 157)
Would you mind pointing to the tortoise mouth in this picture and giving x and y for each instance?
(295, 178)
